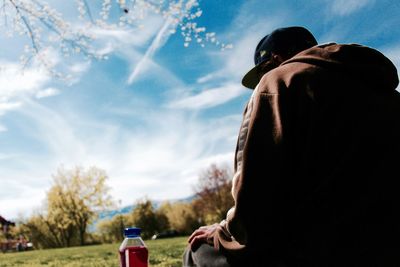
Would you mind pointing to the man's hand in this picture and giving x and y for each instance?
(205, 234)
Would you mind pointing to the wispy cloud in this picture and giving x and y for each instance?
(7, 106)
(4, 156)
(19, 84)
(393, 53)
(15, 81)
(347, 7)
(135, 37)
(234, 63)
(129, 44)
(207, 78)
(48, 92)
(3, 128)
(80, 67)
(237, 61)
(54, 132)
(166, 161)
(160, 39)
(14, 200)
(159, 158)
(127, 40)
(209, 98)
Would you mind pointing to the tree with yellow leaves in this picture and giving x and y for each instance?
(74, 200)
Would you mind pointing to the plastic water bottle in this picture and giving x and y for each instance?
(133, 251)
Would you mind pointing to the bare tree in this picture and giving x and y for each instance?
(214, 194)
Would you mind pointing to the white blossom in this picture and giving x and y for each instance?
(46, 27)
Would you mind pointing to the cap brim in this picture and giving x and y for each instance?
(251, 78)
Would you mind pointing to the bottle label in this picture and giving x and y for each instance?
(136, 256)
(127, 257)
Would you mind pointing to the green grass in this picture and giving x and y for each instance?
(162, 253)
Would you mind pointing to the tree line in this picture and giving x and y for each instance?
(77, 195)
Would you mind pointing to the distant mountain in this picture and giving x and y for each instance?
(108, 214)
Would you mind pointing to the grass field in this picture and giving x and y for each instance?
(162, 253)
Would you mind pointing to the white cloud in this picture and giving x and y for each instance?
(107, 48)
(241, 58)
(3, 128)
(159, 158)
(166, 161)
(54, 131)
(347, 7)
(161, 38)
(206, 78)
(23, 188)
(48, 92)
(393, 53)
(13, 206)
(17, 85)
(80, 67)
(129, 44)
(15, 81)
(7, 106)
(238, 60)
(119, 35)
(137, 36)
(209, 98)
(118, 39)
(4, 156)
(235, 63)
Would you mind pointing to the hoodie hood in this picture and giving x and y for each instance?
(362, 63)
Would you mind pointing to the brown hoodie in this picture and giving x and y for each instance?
(317, 163)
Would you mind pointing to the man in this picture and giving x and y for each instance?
(316, 166)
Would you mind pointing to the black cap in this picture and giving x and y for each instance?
(282, 40)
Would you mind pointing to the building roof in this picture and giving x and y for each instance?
(3, 221)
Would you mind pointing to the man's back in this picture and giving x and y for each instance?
(316, 166)
(329, 172)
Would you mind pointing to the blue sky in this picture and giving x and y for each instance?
(156, 113)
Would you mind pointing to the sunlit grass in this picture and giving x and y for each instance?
(162, 253)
